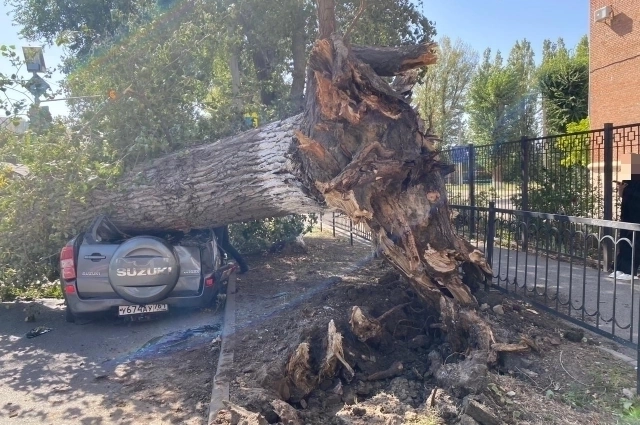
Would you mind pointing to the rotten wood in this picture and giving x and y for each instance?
(431, 400)
(366, 328)
(502, 347)
(299, 369)
(334, 355)
(363, 327)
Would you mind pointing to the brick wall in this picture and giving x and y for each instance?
(614, 74)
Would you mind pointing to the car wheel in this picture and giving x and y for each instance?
(68, 315)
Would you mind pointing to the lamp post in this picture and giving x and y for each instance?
(37, 86)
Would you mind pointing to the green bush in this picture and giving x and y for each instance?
(562, 190)
(259, 235)
(34, 208)
(37, 289)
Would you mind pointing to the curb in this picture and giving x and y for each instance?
(220, 387)
(629, 360)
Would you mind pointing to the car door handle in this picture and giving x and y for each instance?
(95, 257)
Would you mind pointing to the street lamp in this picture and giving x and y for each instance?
(37, 86)
(34, 59)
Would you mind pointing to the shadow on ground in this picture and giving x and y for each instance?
(105, 370)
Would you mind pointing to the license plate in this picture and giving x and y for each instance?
(126, 310)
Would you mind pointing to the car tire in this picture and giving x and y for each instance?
(69, 316)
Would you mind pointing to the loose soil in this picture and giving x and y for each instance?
(290, 298)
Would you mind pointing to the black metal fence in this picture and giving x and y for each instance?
(559, 264)
(343, 225)
(569, 174)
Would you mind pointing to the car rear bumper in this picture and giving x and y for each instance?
(79, 305)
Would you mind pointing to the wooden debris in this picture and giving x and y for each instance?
(299, 369)
(362, 326)
(334, 355)
(394, 370)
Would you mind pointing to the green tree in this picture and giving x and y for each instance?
(575, 145)
(265, 41)
(79, 24)
(563, 79)
(524, 112)
(493, 91)
(179, 76)
(442, 94)
(62, 168)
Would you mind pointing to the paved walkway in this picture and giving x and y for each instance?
(588, 294)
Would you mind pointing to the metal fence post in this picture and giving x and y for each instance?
(524, 167)
(351, 232)
(607, 211)
(490, 238)
(491, 232)
(472, 189)
(333, 223)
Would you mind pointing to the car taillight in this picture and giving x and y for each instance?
(67, 264)
(209, 282)
(70, 289)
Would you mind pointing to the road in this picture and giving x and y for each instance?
(78, 373)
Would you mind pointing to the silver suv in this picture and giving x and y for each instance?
(106, 270)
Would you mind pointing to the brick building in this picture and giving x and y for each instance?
(614, 63)
(614, 82)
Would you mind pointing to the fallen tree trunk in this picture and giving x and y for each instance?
(240, 178)
(358, 148)
(251, 176)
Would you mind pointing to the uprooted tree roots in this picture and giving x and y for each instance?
(363, 152)
(326, 363)
(302, 379)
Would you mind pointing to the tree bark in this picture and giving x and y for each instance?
(362, 151)
(240, 178)
(234, 68)
(326, 18)
(251, 176)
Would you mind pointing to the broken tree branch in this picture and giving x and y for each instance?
(394, 370)
(390, 61)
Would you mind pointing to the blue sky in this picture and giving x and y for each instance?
(499, 23)
(480, 23)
